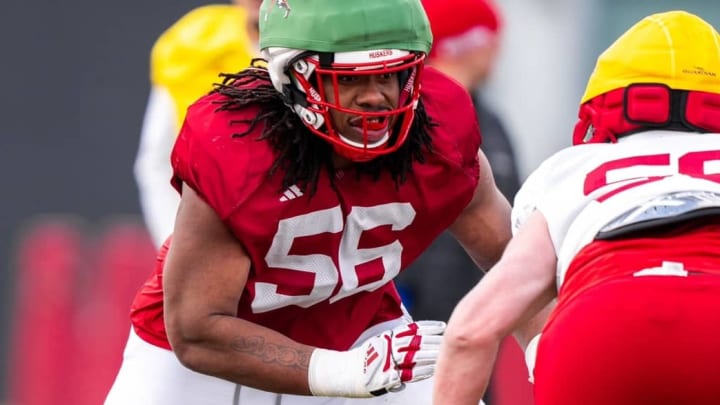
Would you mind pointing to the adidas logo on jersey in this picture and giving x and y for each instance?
(291, 193)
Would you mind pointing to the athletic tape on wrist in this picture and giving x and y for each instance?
(336, 374)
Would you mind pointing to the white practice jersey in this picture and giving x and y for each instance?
(583, 188)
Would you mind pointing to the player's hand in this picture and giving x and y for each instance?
(381, 364)
(405, 354)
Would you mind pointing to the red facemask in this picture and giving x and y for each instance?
(315, 112)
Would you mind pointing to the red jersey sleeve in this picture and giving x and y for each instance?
(457, 134)
(208, 156)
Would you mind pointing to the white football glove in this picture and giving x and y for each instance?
(381, 364)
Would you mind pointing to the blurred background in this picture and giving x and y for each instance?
(74, 80)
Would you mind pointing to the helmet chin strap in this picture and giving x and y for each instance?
(380, 142)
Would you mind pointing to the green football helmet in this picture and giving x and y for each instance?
(305, 41)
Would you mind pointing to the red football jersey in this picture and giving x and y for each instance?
(322, 265)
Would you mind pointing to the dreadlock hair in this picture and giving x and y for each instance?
(300, 153)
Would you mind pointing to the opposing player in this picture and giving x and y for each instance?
(624, 228)
(185, 62)
(307, 186)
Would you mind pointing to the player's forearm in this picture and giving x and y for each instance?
(247, 354)
(468, 351)
(251, 355)
(463, 370)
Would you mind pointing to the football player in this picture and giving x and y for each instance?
(308, 183)
(623, 228)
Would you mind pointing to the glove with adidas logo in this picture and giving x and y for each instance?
(381, 364)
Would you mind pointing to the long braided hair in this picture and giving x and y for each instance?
(301, 155)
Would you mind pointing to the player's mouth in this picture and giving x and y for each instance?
(373, 128)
